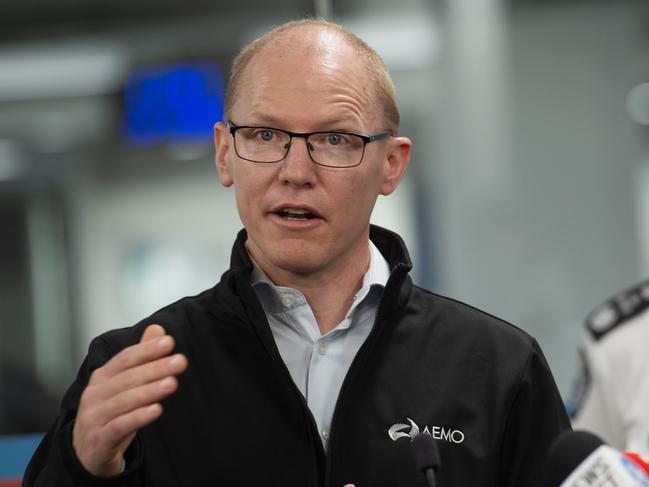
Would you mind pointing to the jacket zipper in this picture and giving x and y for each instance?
(319, 455)
(371, 340)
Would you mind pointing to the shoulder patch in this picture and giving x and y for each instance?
(618, 310)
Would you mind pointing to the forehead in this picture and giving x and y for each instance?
(307, 79)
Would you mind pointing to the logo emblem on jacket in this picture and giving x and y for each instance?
(398, 430)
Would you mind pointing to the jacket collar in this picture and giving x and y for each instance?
(389, 243)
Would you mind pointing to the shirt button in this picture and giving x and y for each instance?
(325, 434)
(322, 349)
(287, 300)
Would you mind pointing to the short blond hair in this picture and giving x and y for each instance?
(377, 71)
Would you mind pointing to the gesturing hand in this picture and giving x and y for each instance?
(122, 397)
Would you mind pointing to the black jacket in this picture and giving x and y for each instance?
(480, 385)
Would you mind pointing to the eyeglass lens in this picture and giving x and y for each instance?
(325, 148)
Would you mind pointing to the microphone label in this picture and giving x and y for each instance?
(606, 467)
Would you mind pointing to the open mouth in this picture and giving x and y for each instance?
(295, 214)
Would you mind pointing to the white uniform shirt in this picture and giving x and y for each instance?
(613, 400)
(319, 363)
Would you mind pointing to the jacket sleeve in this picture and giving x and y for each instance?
(55, 463)
(536, 417)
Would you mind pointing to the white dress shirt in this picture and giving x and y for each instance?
(318, 363)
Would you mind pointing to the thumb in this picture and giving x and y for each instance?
(152, 332)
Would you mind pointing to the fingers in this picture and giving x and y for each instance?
(146, 351)
(131, 400)
(151, 332)
(124, 425)
(101, 452)
(122, 396)
(138, 376)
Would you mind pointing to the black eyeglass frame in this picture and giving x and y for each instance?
(304, 135)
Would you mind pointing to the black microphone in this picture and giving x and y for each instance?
(427, 457)
(567, 451)
(580, 458)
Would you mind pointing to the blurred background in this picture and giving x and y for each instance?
(527, 195)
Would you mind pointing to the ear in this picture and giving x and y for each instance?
(396, 162)
(223, 155)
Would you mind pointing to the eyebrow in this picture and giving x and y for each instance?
(262, 118)
(330, 124)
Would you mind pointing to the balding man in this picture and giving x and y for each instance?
(315, 361)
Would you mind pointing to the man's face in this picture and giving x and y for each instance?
(320, 90)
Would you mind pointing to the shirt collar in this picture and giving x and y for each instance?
(274, 298)
(377, 273)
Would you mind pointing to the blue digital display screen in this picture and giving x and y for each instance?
(172, 104)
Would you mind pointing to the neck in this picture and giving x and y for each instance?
(330, 292)
(331, 299)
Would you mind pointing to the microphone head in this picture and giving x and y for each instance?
(426, 452)
(567, 451)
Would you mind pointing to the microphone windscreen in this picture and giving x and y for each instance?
(567, 451)
(426, 452)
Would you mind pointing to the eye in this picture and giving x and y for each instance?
(266, 135)
(334, 139)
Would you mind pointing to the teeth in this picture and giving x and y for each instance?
(295, 214)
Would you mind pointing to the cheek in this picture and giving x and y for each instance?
(242, 207)
(359, 198)
(250, 185)
(244, 180)
(243, 193)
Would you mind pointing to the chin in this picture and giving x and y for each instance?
(296, 262)
(297, 256)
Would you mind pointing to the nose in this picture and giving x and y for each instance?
(298, 169)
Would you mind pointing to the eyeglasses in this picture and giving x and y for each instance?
(329, 149)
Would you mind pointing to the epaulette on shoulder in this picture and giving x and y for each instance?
(618, 310)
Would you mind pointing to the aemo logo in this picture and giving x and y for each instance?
(398, 430)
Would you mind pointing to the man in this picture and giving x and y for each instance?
(611, 395)
(315, 360)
